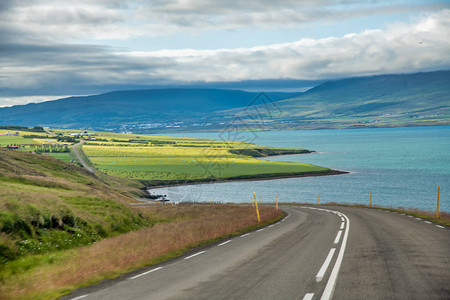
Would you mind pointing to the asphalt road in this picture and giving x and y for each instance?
(80, 159)
(312, 254)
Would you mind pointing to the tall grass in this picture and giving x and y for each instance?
(180, 228)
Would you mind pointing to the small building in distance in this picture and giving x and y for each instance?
(8, 133)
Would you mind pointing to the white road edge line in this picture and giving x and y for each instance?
(142, 274)
(193, 255)
(338, 237)
(308, 296)
(244, 235)
(224, 243)
(331, 284)
(428, 222)
(440, 226)
(260, 230)
(270, 225)
(325, 265)
(79, 297)
(342, 225)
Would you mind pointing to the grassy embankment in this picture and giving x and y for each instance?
(61, 227)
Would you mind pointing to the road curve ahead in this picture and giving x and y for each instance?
(314, 253)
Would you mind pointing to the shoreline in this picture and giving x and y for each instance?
(330, 173)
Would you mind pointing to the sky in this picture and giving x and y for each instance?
(50, 49)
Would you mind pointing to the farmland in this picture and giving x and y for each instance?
(157, 160)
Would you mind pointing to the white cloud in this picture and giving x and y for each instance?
(400, 48)
(97, 20)
(10, 101)
(34, 56)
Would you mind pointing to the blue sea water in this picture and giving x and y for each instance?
(401, 166)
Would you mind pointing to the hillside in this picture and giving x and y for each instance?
(376, 101)
(148, 108)
(48, 205)
(388, 100)
(62, 228)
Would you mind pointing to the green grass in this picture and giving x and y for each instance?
(184, 169)
(67, 157)
(160, 159)
(47, 205)
(179, 229)
(17, 140)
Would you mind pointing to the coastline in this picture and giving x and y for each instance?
(278, 176)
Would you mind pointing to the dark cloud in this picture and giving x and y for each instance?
(39, 54)
(6, 5)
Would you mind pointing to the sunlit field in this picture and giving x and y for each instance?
(188, 159)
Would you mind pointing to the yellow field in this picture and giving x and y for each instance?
(157, 158)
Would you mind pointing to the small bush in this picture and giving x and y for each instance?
(6, 254)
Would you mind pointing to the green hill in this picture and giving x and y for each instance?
(115, 109)
(48, 205)
(376, 101)
(382, 101)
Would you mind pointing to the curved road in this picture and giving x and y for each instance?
(314, 253)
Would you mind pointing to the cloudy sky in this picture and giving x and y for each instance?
(51, 48)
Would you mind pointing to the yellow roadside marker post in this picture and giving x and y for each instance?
(276, 201)
(256, 205)
(437, 205)
(370, 198)
(318, 199)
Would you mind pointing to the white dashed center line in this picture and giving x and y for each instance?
(224, 243)
(338, 237)
(308, 296)
(193, 255)
(145, 273)
(80, 297)
(325, 265)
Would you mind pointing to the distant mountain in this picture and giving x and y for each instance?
(376, 101)
(114, 109)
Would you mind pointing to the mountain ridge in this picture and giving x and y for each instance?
(372, 101)
(121, 106)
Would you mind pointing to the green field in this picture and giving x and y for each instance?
(6, 140)
(160, 159)
(67, 157)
